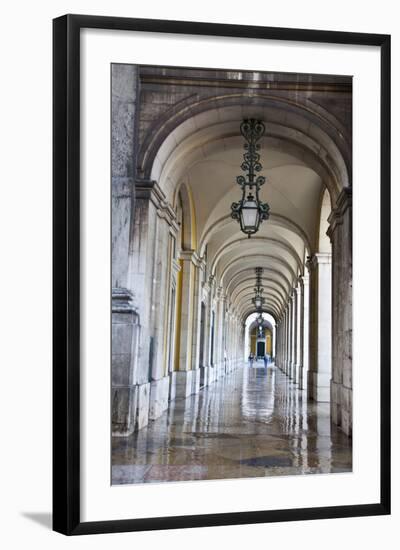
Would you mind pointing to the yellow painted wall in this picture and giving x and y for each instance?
(253, 341)
(268, 339)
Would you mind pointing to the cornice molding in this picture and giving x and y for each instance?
(151, 191)
(317, 259)
(122, 301)
(343, 203)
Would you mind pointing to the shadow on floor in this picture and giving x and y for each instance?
(45, 519)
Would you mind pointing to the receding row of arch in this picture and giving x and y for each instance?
(187, 255)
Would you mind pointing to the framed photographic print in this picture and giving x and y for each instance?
(221, 274)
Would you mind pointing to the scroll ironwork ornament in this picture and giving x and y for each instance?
(250, 212)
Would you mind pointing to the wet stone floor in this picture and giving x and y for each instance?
(251, 423)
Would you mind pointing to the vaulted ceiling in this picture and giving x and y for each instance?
(205, 153)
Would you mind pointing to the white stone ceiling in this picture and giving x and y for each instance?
(205, 154)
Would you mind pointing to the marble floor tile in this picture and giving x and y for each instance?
(251, 423)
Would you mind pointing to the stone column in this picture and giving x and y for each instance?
(340, 233)
(196, 325)
(278, 343)
(172, 328)
(279, 354)
(206, 290)
(305, 282)
(225, 332)
(212, 328)
(149, 253)
(125, 316)
(288, 337)
(125, 337)
(293, 372)
(238, 330)
(123, 110)
(299, 332)
(274, 341)
(183, 374)
(219, 330)
(285, 329)
(228, 321)
(159, 318)
(321, 333)
(285, 369)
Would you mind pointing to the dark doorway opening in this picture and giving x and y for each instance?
(260, 349)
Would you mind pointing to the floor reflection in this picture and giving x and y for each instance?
(252, 423)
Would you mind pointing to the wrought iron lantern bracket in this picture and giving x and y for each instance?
(249, 211)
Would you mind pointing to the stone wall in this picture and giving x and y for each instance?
(340, 232)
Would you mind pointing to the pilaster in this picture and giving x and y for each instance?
(125, 338)
(319, 374)
(340, 233)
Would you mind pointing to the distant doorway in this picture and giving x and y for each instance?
(260, 349)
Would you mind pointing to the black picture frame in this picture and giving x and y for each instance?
(66, 273)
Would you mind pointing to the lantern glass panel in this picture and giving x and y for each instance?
(250, 214)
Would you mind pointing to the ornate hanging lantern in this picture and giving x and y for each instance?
(258, 299)
(249, 211)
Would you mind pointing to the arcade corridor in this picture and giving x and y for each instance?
(231, 239)
(251, 423)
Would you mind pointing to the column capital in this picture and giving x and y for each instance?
(190, 255)
(317, 259)
(176, 266)
(202, 262)
(299, 288)
(122, 301)
(219, 292)
(343, 203)
(304, 281)
(149, 190)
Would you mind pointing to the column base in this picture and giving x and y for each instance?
(342, 407)
(195, 380)
(183, 386)
(303, 379)
(292, 372)
(214, 370)
(318, 386)
(203, 376)
(212, 375)
(220, 369)
(125, 333)
(124, 409)
(299, 374)
(172, 386)
(143, 402)
(159, 393)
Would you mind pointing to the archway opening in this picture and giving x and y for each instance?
(260, 336)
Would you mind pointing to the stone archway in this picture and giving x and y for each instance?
(188, 254)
